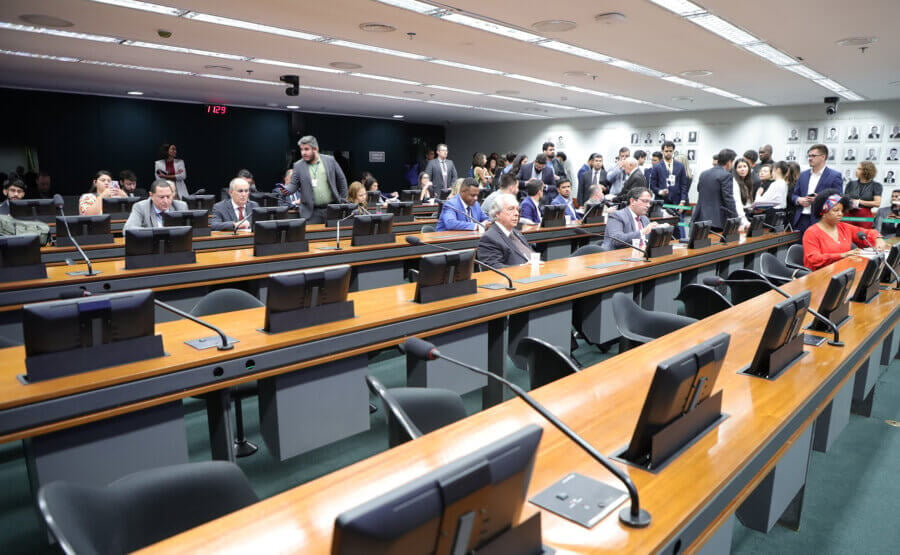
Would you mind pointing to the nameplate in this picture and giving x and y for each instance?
(493, 286)
(541, 277)
(605, 265)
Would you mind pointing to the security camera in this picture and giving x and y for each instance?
(294, 82)
(831, 103)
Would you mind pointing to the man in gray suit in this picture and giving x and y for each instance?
(502, 244)
(441, 170)
(236, 211)
(631, 222)
(148, 212)
(318, 178)
(715, 201)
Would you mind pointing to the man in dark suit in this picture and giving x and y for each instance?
(631, 222)
(539, 169)
(128, 182)
(12, 189)
(715, 201)
(668, 178)
(811, 182)
(441, 170)
(634, 177)
(148, 212)
(319, 179)
(502, 244)
(595, 174)
(235, 212)
(530, 209)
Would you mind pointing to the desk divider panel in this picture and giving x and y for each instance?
(469, 344)
(552, 323)
(659, 294)
(720, 542)
(832, 421)
(373, 276)
(594, 316)
(864, 382)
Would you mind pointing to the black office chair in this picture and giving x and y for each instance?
(794, 258)
(638, 325)
(229, 300)
(701, 301)
(741, 292)
(428, 228)
(415, 411)
(142, 508)
(545, 362)
(590, 248)
(776, 271)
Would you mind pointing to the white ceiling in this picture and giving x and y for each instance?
(650, 36)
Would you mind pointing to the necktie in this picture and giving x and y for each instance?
(521, 245)
(240, 213)
(594, 180)
(159, 221)
(640, 226)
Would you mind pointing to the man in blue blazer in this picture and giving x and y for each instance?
(461, 212)
(631, 222)
(539, 169)
(668, 179)
(530, 209)
(564, 198)
(811, 182)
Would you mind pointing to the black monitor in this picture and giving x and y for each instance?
(199, 202)
(445, 275)
(119, 207)
(79, 335)
(659, 241)
(269, 213)
(680, 390)
(20, 258)
(373, 198)
(553, 215)
(698, 234)
(147, 247)
(834, 305)
(266, 199)
(593, 213)
(409, 195)
(781, 344)
(893, 261)
(460, 507)
(402, 211)
(731, 231)
(305, 298)
(756, 227)
(42, 209)
(483, 194)
(867, 288)
(656, 209)
(280, 237)
(444, 194)
(776, 217)
(337, 212)
(87, 230)
(373, 229)
(197, 220)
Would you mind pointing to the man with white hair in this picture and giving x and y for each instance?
(634, 177)
(236, 211)
(502, 244)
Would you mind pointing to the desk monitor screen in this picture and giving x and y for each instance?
(446, 267)
(269, 213)
(834, 305)
(699, 234)
(732, 227)
(33, 209)
(373, 198)
(867, 288)
(593, 213)
(457, 508)
(119, 205)
(266, 199)
(553, 215)
(157, 240)
(775, 217)
(20, 250)
(336, 212)
(656, 209)
(659, 236)
(402, 211)
(444, 194)
(409, 195)
(372, 225)
(782, 328)
(893, 261)
(200, 202)
(87, 230)
(291, 292)
(280, 231)
(197, 220)
(680, 384)
(756, 225)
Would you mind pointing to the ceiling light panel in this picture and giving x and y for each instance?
(377, 49)
(466, 66)
(727, 31)
(39, 56)
(804, 71)
(684, 82)
(181, 49)
(491, 27)
(384, 78)
(575, 51)
(452, 89)
(143, 6)
(296, 66)
(680, 7)
(57, 32)
(250, 26)
(771, 54)
(636, 68)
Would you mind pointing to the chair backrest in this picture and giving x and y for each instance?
(414, 411)
(545, 362)
(587, 249)
(774, 269)
(741, 292)
(427, 228)
(142, 508)
(701, 301)
(225, 300)
(640, 325)
(794, 257)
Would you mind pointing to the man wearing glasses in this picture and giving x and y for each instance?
(630, 223)
(812, 181)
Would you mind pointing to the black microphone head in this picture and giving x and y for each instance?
(413, 240)
(57, 200)
(200, 192)
(861, 235)
(713, 281)
(419, 348)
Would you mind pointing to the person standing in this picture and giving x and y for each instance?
(441, 170)
(594, 174)
(319, 179)
(811, 182)
(171, 168)
(864, 194)
(715, 198)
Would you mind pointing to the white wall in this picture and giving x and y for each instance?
(738, 129)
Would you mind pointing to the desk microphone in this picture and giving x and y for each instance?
(770, 227)
(861, 235)
(715, 281)
(582, 231)
(58, 203)
(591, 208)
(200, 192)
(337, 243)
(415, 240)
(446, 204)
(238, 223)
(722, 238)
(633, 516)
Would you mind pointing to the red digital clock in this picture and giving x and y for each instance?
(216, 110)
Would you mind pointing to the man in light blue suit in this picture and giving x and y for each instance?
(813, 181)
(462, 212)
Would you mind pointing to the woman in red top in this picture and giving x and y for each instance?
(830, 239)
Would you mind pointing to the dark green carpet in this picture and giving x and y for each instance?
(850, 504)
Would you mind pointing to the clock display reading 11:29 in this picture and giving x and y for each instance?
(216, 110)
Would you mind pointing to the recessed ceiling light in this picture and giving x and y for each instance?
(377, 27)
(135, 93)
(45, 20)
(611, 18)
(292, 107)
(345, 65)
(554, 26)
(219, 68)
(857, 41)
(695, 73)
(398, 116)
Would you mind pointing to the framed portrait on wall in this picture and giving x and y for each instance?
(872, 153)
(849, 154)
(648, 138)
(692, 155)
(692, 137)
(892, 156)
(852, 135)
(793, 135)
(812, 134)
(832, 135)
(635, 138)
(874, 132)
(790, 153)
(895, 132)
(889, 178)
(676, 138)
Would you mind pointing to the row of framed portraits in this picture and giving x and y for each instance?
(849, 133)
(653, 140)
(876, 153)
(887, 176)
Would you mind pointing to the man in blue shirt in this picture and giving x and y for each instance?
(564, 188)
(462, 212)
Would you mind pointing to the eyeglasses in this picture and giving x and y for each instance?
(811, 155)
(645, 200)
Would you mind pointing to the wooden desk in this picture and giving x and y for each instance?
(689, 499)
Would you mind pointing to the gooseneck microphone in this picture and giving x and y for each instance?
(58, 203)
(633, 516)
(722, 238)
(582, 231)
(861, 235)
(337, 238)
(238, 223)
(414, 240)
(835, 341)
